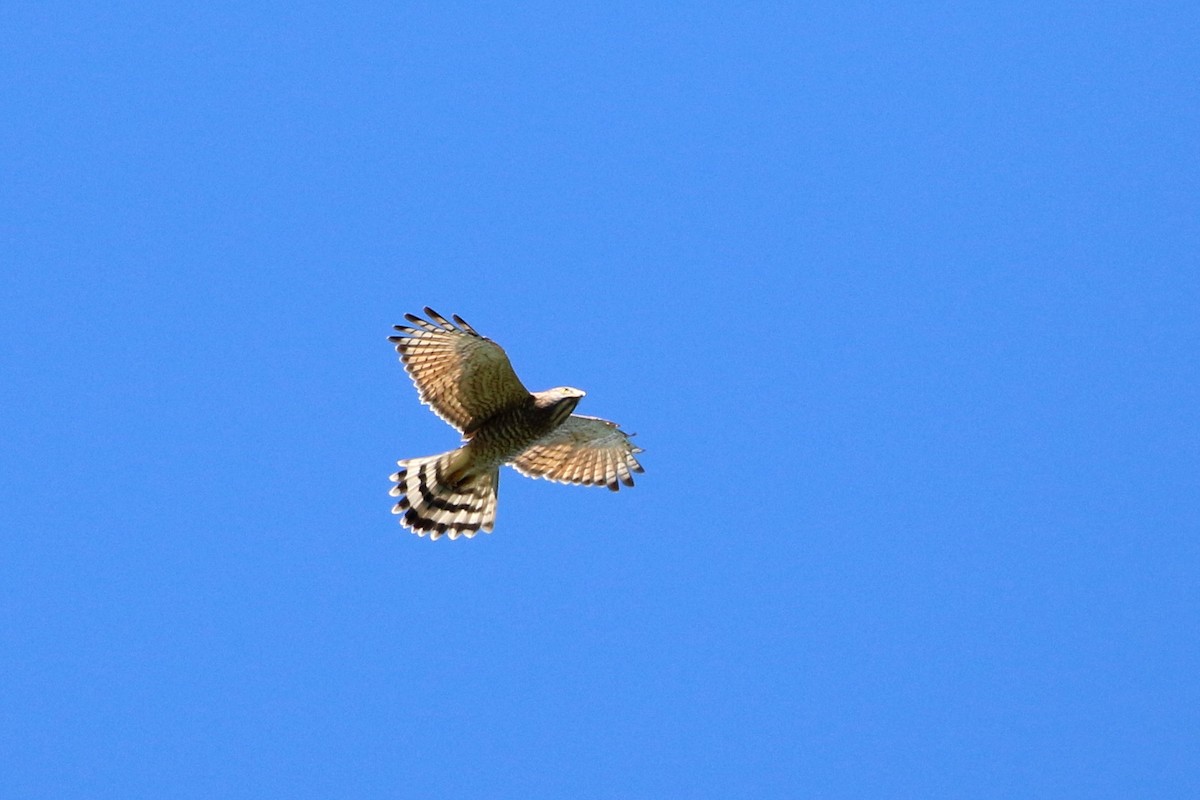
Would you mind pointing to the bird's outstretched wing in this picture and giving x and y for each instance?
(585, 450)
(462, 376)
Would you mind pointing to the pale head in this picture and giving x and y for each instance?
(562, 399)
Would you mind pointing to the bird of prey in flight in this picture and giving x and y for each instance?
(468, 381)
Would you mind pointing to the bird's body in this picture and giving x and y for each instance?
(508, 432)
(470, 383)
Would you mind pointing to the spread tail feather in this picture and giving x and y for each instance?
(440, 494)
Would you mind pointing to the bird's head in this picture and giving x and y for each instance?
(562, 399)
(569, 392)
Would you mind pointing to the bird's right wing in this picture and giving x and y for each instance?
(585, 450)
(462, 376)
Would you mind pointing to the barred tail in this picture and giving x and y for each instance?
(438, 494)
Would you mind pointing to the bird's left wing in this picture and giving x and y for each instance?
(585, 450)
(462, 376)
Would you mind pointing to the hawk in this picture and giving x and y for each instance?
(468, 381)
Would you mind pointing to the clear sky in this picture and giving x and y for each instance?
(902, 300)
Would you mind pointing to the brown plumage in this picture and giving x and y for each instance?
(468, 381)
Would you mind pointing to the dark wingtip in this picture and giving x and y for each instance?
(438, 318)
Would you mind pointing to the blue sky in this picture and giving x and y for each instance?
(901, 299)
